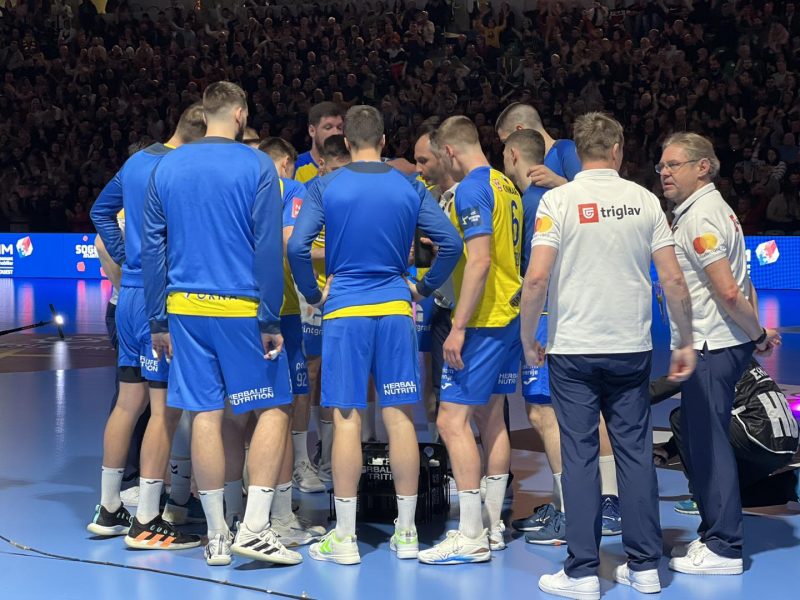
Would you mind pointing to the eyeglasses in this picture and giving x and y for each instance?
(673, 166)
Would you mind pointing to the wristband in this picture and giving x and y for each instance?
(761, 338)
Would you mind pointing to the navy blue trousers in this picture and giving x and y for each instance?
(706, 403)
(617, 384)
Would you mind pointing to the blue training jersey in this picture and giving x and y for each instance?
(213, 231)
(127, 190)
(370, 212)
(562, 159)
(530, 204)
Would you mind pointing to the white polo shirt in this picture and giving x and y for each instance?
(706, 230)
(605, 229)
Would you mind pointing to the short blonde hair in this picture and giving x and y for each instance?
(455, 131)
(595, 134)
(696, 147)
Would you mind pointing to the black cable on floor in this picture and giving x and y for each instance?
(147, 569)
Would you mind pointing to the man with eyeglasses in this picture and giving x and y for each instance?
(710, 247)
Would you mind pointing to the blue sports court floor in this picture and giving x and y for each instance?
(54, 399)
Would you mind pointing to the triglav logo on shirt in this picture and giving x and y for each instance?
(590, 213)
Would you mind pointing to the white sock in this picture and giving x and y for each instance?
(110, 484)
(495, 494)
(234, 502)
(313, 418)
(608, 476)
(149, 496)
(558, 492)
(433, 432)
(406, 510)
(213, 506)
(345, 517)
(282, 501)
(368, 423)
(259, 502)
(326, 435)
(470, 522)
(181, 488)
(300, 445)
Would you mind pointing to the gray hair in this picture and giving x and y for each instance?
(696, 147)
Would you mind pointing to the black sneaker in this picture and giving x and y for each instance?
(106, 523)
(159, 534)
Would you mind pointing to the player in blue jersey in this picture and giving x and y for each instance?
(369, 327)
(296, 469)
(212, 259)
(136, 365)
(524, 149)
(324, 120)
(333, 155)
(560, 165)
(561, 162)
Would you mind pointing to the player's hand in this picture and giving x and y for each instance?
(412, 286)
(535, 355)
(429, 242)
(452, 348)
(772, 341)
(544, 177)
(682, 364)
(273, 344)
(325, 291)
(162, 346)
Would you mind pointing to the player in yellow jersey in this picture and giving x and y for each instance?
(324, 120)
(487, 211)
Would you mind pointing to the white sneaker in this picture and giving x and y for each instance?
(702, 561)
(561, 584)
(294, 531)
(646, 582)
(130, 497)
(404, 543)
(497, 540)
(263, 545)
(684, 549)
(305, 478)
(457, 548)
(218, 550)
(332, 549)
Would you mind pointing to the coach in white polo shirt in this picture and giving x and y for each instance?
(710, 246)
(594, 239)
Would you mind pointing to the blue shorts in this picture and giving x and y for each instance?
(133, 332)
(423, 312)
(486, 353)
(219, 357)
(354, 347)
(536, 380)
(312, 332)
(292, 331)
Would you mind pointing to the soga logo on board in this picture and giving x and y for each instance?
(86, 251)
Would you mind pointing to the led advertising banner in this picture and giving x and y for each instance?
(52, 255)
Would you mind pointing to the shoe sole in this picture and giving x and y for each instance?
(253, 555)
(610, 533)
(701, 571)
(547, 542)
(497, 547)
(459, 561)
(107, 531)
(527, 529)
(570, 593)
(404, 554)
(339, 560)
(136, 545)
(219, 561)
(687, 512)
(651, 588)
